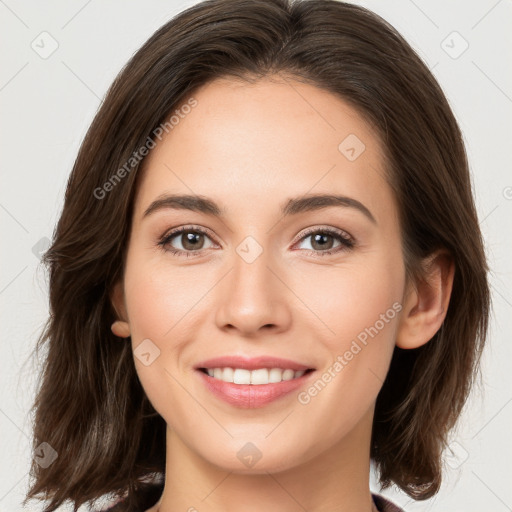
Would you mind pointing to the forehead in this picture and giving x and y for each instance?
(246, 144)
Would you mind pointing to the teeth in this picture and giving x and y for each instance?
(260, 376)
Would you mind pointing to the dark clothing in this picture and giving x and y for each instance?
(384, 505)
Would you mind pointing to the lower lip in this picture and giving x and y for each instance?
(252, 396)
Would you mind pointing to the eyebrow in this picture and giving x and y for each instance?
(292, 206)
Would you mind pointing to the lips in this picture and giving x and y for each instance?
(248, 396)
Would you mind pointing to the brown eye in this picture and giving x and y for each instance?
(323, 241)
(191, 240)
(185, 241)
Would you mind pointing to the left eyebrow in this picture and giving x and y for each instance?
(318, 201)
(292, 206)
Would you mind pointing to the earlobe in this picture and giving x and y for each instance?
(426, 304)
(120, 327)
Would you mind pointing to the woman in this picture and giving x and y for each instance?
(268, 272)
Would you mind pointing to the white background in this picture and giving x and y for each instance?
(47, 105)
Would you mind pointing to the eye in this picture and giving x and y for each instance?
(323, 240)
(189, 240)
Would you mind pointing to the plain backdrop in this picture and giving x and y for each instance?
(58, 59)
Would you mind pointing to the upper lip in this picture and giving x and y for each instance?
(252, 363)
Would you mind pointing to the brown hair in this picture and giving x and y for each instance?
(90, 407)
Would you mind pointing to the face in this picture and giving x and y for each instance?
(272, 273)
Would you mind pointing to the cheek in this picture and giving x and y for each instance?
(164, 306)
(353, 311)
(359, 319)
(160, 301)
(342, 301)
(161, 309)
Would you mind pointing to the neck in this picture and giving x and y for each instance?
(336, 479)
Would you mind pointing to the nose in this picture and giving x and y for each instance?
(254, 298)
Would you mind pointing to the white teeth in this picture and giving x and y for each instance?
(241, 376)
(259, 376)
(275, 374)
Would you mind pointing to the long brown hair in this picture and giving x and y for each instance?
(90, 406)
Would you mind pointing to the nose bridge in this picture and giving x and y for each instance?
(254, 297)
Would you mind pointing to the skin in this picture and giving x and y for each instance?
(251, 147)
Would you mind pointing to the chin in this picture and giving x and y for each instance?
(253, 457)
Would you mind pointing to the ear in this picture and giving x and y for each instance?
(426, 303)
(120, 327)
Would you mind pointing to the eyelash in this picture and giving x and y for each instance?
(347, 242)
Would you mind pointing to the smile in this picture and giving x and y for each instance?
(256, 377)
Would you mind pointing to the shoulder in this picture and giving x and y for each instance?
(384, 505)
